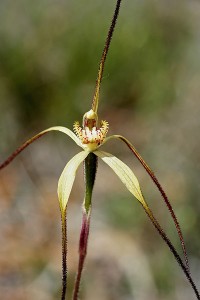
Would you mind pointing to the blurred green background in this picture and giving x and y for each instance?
(49, 56)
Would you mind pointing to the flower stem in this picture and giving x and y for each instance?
(103, 57)
(64, 253)
(83, 242)
(90, 167)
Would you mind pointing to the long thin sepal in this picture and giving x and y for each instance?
(130, 181)
(172, 249)
(162, 192)
(64, 253)
(104, 55)
(37, 136)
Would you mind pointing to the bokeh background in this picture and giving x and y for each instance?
(49, 56)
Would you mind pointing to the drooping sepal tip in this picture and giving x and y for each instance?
(36, 137)
(130, 181)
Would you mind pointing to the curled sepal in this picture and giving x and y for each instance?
(162, 192)
(130, 181)
(37, 136)
(67, 177)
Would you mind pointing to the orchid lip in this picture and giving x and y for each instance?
(91, 137)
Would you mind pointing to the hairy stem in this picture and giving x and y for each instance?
(90, 168)
(103, 58)
(64, 253)
(83, 242)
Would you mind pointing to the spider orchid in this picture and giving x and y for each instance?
(91, 137)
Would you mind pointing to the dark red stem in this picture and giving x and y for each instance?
(83, 242)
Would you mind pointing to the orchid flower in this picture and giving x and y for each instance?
(90, 137)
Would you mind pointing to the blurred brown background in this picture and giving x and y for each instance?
(49, 56)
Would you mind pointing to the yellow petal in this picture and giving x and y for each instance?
(161, 190)
(125, 174)
(132, 184)
(66, 131)
(67, 177)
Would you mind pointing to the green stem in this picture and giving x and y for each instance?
(90, 167)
